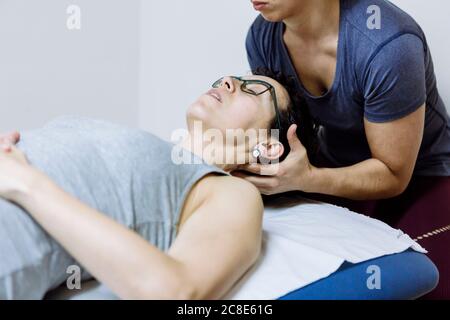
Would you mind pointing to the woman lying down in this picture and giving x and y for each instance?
(111, 199)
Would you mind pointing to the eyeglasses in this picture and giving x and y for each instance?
(256, 88)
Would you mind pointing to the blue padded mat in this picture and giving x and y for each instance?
(406, 275)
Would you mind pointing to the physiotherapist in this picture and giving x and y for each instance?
(366, 74)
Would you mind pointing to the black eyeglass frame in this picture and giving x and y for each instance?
(244, 88)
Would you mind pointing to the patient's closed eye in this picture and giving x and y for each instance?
(255, 88)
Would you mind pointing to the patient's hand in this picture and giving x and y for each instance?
(8, 140)
(16, 174)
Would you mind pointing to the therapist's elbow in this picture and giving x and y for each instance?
(395, 187)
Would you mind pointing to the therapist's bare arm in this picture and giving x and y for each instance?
(394, 146)
(215, 246)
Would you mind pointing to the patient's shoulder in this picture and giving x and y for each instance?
(235, 193)
(238, 197)
(230, 187)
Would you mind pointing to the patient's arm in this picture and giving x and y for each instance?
(214, 247)
(223, 238)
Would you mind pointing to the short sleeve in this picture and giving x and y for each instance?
(254, 49)
(394, 81)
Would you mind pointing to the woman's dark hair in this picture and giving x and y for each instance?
(296, 113)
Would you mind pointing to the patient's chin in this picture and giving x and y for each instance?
(198, 116)
(197, 112)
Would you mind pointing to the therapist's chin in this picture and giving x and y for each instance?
(272, 16)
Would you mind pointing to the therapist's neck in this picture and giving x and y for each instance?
(314, 20)
(227, 157)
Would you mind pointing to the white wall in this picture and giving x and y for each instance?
(185, 46)
(47, 70)
(140, 62)
(433, 17)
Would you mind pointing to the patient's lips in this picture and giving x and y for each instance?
(215, 94)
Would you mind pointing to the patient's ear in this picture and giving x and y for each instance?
(271, 150)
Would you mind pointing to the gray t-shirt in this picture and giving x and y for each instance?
(124, 173)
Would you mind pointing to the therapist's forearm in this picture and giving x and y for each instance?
(367, 180)
(115, 255)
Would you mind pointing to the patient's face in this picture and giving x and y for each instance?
(228, 107)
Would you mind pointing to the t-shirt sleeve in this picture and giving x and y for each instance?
(255, 54)
(394, 82)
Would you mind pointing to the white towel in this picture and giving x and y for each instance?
(307, 242)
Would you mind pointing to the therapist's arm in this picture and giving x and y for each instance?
(394, 147)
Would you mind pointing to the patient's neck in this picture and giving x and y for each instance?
(217, 152)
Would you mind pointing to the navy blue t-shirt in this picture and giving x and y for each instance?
(381, 75)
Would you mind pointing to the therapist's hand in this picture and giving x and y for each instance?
(8, 140)
(294, 173)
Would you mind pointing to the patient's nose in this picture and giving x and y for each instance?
(228, 83)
